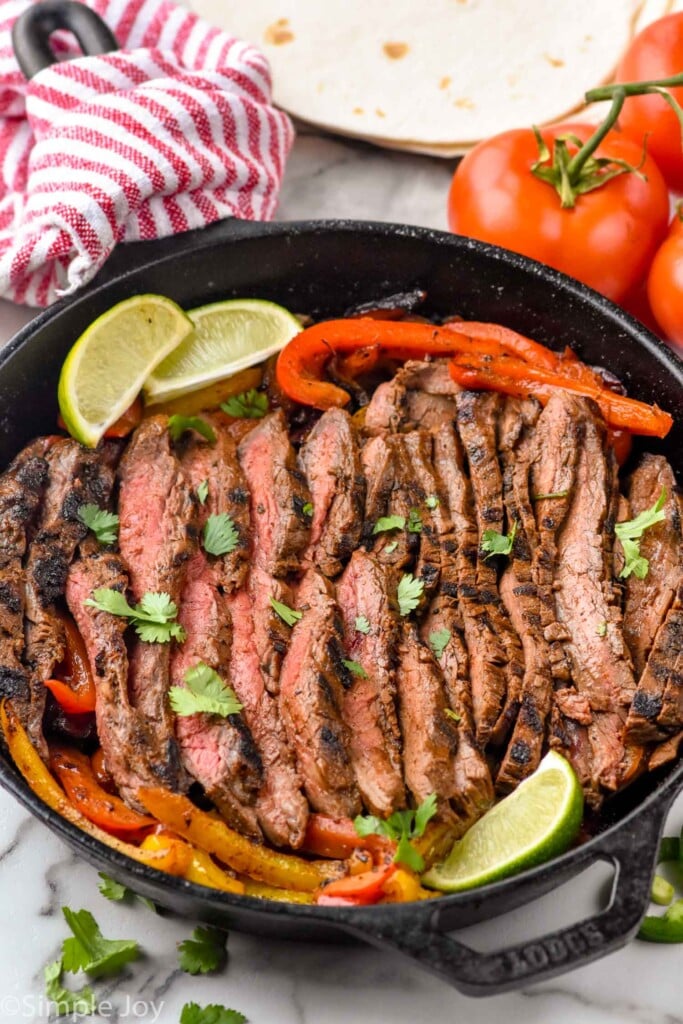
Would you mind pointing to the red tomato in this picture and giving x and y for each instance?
(656, 52)
(606, 240)
(665, 284)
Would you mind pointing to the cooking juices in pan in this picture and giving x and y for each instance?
(382, 594)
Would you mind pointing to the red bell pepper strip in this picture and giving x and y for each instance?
(301, 362)
(127, 421)
(74, 689)
(514, 377)
(74, 771)
(337, 838)
(358, 889)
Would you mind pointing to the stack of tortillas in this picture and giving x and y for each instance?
(435, 76)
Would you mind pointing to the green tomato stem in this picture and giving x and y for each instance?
(577, 162)
(606, 92)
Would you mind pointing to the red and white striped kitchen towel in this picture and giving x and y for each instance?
(173, 133)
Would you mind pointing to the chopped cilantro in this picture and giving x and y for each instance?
(220, 535)
(307, 509)
(177, 425)
(204, 690)
(288, 615)
(409, 593)
(391, 547)
(438, 641)
(192, 1013)
(203, 492)
(414, 524)
(204, 952)
(402, 826)
(355, 669)
(450, 713)
(250, 405)
(630, 533)
(116, 892)
(553, 494)
(431, 501)
(386, 523)
(494, 543)
(153, 619)
(103, 524)
(66, 1001)
(89, 951)
(601, 629)
(362, 625)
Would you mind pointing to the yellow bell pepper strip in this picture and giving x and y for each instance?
(437, 841)
(301, 363)
(210, 396)
(284, 871)
(48, 790)
(404, 887)
(197, 864)
(269, 892)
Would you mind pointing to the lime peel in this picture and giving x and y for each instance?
(536, 822)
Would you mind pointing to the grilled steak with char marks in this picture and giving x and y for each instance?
(369, 708)
(330, 458)
(420, 394)
(657, 708)
(21, 489)
(311, 698)
(157, 536)
(647, 601)
(76, 476)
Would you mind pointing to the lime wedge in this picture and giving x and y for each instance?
(228, 337)
(105, 369)
(536, 822)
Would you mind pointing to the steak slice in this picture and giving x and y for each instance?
(430, 504)
(496, 696)
(278, 496)
(271, 634)
(587, 604)
(387, 477)
(657, 708)
(21, 490)
(281, 807)
(420, 394)
(519, 591)
(369, 707)
(157, 536)
(430, 740)
(218, 466)
(135, 751)
(330, 458)
(311, 699)
(76, 476)
(647, 601)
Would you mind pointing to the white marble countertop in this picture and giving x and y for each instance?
(290, 983)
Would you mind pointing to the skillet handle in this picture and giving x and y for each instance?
(32, 30)
(633, 851)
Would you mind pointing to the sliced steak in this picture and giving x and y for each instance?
(647, 601)
(218, 466)
(496, 695)
(369, 708)
(657, 708)
(157, 536)
(430, 740)
(519, 591)
(311, 700)
(420, 394)
(474, 787)
(21, 490)
(330, 459)
(281, 807)
(387, 476)
(429, 504)
(587, 604)
(278, 496)
(271, 635)
(135, 751)
(76, 476)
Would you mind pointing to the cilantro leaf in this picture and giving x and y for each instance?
(438, 641)
(250, 405)
(116, 892)
(630, 534)
(220, 535)
(391, 547)
(89, 951)
(409, 593)
(401, 826)
(192, 1013)
(103, 524)
(355, 668)
(177, 425)
(203, 492)
(552, 494)
(431, 501)
(450, 713)
(494, 543)
(204, 952)
(66, 1001)
(288, 615)
(601, 629)
(307, 508)
(362, 625)
(153, 619)
(204, 690)
(386, 523)
(414, 524)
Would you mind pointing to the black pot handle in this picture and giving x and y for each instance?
(632, 850)
(32, 30)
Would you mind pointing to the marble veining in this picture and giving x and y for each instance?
(276, 982)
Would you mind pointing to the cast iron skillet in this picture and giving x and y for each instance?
(322, 268)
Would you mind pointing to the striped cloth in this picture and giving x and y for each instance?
(173, 133)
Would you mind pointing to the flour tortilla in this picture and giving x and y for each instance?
(434, 76)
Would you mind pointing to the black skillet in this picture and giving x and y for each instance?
(322, 268)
